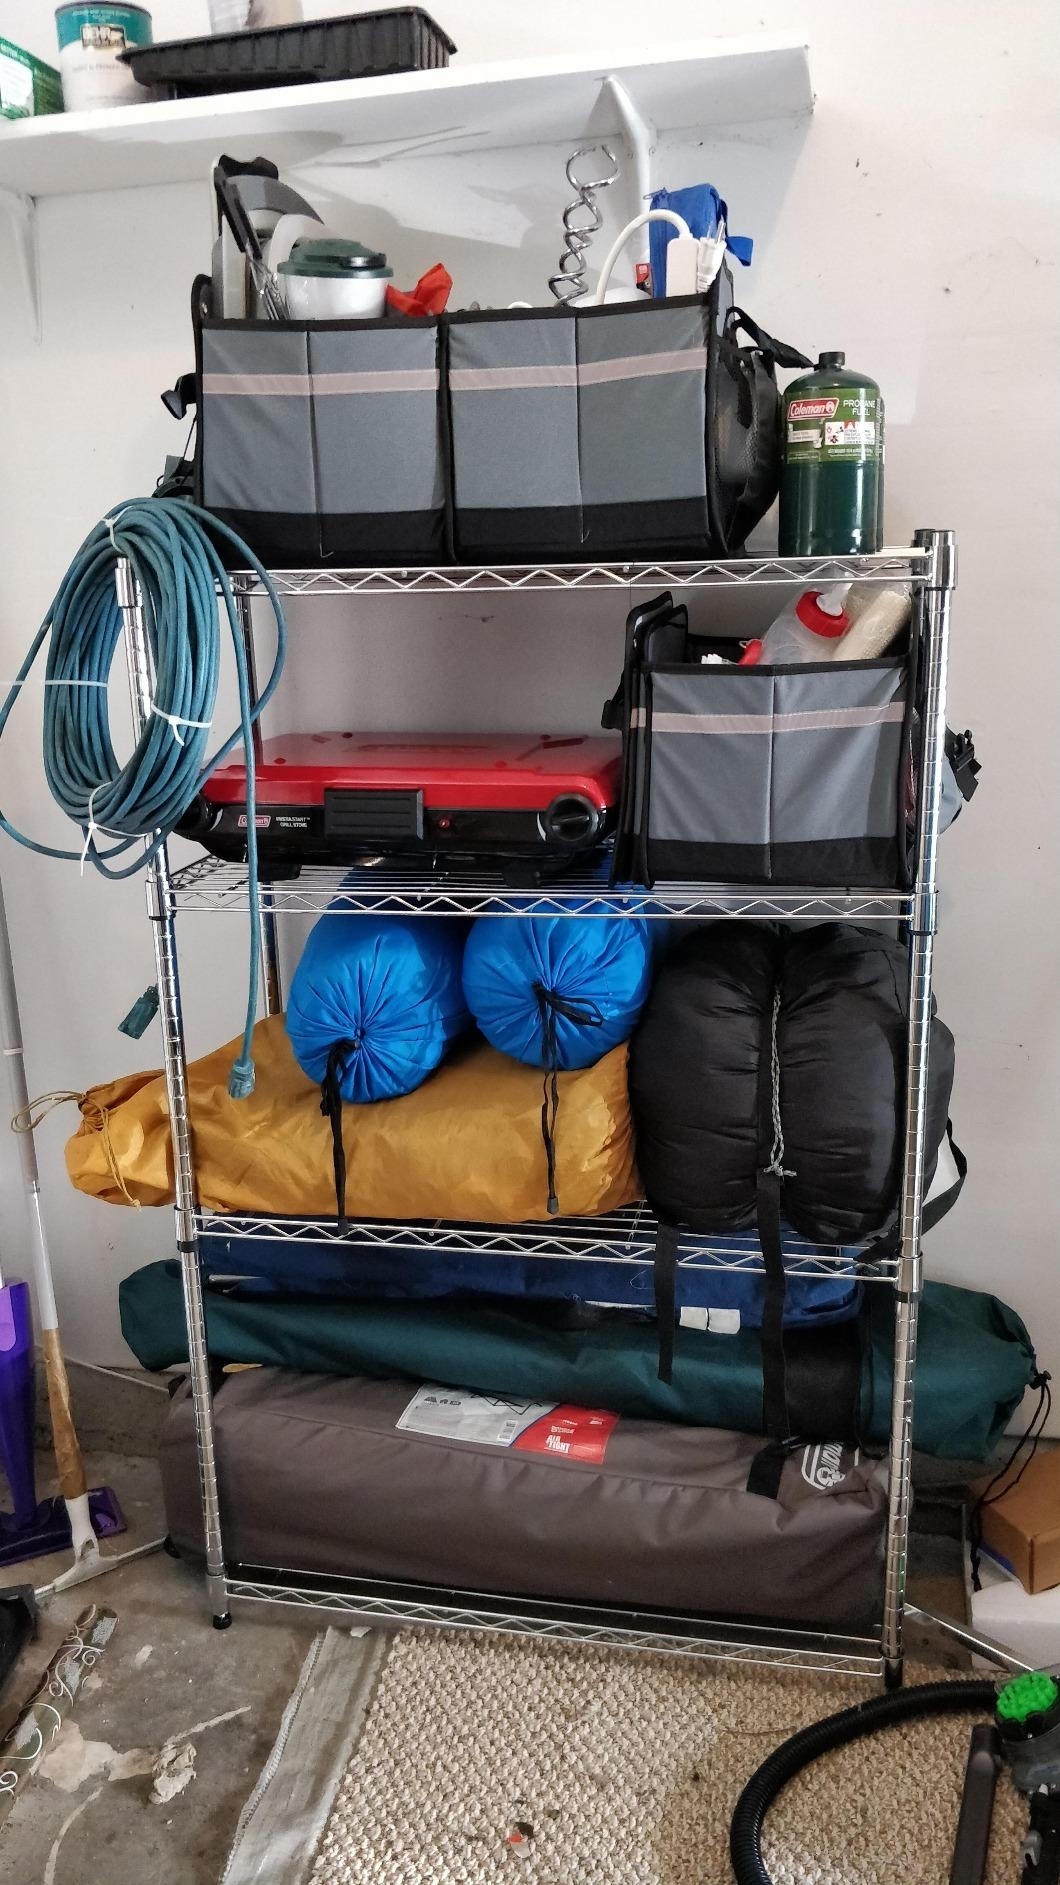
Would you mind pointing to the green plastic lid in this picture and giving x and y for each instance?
(335, 256)
(1032, 1694)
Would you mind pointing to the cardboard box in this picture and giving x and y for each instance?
(1022, 1528)
(28, 87)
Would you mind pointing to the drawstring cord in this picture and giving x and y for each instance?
(331, 1106)
(1030, 1437)
(97, 1117)
(584, 1014)
(776, 1166)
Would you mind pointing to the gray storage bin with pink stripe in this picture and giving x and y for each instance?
(787, 775)
(321, 442)
(635, 429)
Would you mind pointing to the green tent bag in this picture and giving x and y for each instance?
(974, 1358)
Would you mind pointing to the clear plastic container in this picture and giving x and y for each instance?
(240, 16)
(807, 629)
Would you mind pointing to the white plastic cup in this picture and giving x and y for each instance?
(334, 297)
(236, 16)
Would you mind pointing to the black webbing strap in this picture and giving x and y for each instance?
(585, 1014)
(932, 1211)
(767, 1468)
(768, 1464)
(667, 1239)
(775, 1416)
(331, 1107)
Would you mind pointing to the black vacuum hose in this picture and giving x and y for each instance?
(931, 1698)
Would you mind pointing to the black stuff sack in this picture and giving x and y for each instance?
(767, 1081)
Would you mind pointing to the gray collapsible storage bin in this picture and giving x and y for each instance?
(793, 775)
(321, 442)
(638, 428)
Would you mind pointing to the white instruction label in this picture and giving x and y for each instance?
(851, 432)
(454, 1414)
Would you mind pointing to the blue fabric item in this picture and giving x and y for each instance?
(702, 209)
(585, 978)
(390, 985)
(267, 1266)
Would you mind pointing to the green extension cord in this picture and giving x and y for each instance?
(172, 547)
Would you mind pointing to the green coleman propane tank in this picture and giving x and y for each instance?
(831, 493)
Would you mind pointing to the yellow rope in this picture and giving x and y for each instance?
(29, 1117)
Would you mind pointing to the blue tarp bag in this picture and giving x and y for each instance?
(369, 1267)
(703, 210)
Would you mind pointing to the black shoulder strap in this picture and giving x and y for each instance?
(775, 351)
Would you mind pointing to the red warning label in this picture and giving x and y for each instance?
(575, 1433)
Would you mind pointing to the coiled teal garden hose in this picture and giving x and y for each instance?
(172, 546)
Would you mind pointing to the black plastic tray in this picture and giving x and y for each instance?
(360, 46)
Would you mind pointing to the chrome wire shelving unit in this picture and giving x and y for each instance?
(625, 1237)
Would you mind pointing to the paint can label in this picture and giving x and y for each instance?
(91, 40)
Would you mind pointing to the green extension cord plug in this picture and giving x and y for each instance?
(140, 1015)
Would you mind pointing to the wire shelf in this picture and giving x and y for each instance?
(737, 572)
(623, 1238)
(361, 1599)
(208, 885)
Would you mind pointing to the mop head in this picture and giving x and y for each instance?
(49, 1528)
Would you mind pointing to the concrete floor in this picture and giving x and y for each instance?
(167, 1671)
(164, 1671)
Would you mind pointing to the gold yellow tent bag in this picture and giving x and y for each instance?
(466, 1144)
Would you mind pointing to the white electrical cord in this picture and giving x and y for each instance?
(692, 262)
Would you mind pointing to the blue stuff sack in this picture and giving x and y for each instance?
(557, 991)
(377, 1000)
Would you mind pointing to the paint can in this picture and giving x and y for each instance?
(91, 38)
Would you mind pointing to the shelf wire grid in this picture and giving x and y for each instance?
(897, 565)
(209, 885)
(355, 1600)
(625, 1237)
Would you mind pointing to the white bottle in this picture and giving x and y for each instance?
(808, 629)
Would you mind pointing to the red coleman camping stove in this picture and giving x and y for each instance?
(342, 798)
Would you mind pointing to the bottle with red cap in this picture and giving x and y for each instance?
(809, 629)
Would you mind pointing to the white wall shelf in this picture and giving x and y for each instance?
(723, 84)
(716, 84)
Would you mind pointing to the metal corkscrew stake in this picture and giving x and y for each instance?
(581, 220)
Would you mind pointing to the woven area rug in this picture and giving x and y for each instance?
(486, 1759)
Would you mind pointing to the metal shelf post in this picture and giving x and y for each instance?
(271, 984)
(931, 598)
(160, 910)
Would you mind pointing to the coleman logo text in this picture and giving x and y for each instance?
(813, 408)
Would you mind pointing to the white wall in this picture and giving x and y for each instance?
(915, 224)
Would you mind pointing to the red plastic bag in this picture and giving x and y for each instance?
(429, 296)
